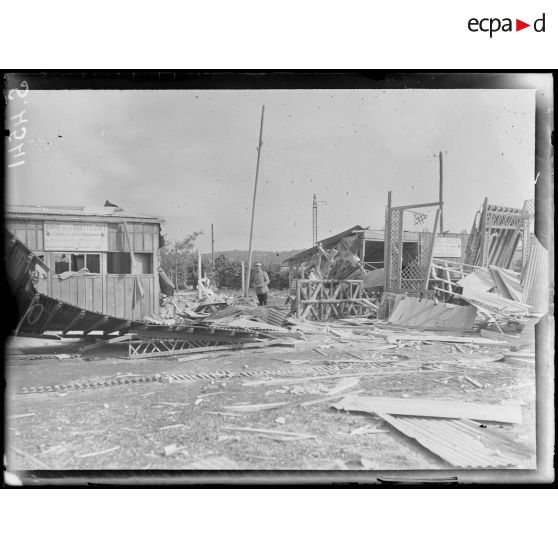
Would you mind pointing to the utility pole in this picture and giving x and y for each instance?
(212, 249)
(315, 203)
(247, 284)
(441, 194)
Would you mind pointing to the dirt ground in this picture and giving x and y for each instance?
(129, 426)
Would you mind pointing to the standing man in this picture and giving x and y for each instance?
(260, 283)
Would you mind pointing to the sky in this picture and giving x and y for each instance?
(190, 157)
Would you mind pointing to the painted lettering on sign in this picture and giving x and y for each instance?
(447, 248)
(86, 237)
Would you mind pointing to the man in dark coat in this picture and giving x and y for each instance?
(260, 283)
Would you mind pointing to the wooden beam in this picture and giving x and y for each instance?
(73, 322)
(96, 325)
(399, 207)
(52, 315)
(35, 300)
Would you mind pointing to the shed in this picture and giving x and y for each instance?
(103, 259)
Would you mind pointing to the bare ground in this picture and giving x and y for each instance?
(133, 424)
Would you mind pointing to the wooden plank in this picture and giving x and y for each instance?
(74, 288)
(326, 399)
(256, 407)
(432, 408)
(294, 435)
(104, 342)
(81, 286)
(122, 303)
(88, 284)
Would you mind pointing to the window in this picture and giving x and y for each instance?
(76, 262)
(143, 264)
(61, 263)
(119, 263)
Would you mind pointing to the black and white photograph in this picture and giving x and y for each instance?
(306, 277)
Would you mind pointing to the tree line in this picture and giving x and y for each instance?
(179, 261)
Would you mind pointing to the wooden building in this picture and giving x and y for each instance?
(102, 259)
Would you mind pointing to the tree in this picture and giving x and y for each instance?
(176, 259)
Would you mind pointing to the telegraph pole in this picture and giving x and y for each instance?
(315, 203)
(247, 284)
(212, 249)
(441, 194)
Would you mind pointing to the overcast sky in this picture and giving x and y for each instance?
(190, 156)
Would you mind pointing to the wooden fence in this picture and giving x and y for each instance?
(324, 299)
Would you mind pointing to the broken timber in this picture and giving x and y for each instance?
(323, 299)
(149, 348)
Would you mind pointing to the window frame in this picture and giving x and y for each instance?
(71, 257)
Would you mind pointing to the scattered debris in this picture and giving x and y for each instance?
(346, 383)
(32, 458)
(473, 381)
(95, 453)
(368, 429)
(173, 449)
(277, 434)
(254, 408)
(325, 399)
(168, 427)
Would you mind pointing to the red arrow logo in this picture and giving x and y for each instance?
(519, 25)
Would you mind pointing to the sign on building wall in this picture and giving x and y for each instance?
(447, 248)
(77, 237)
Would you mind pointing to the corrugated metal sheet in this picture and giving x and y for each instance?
(426, 314)
(479, 280)
(496, 303)
(536, 279)
(374, 279)
(462, 443)
(266, 314)
(226, 312)
(252, 324)
(74, 211)
(271, 315)
(507, 282)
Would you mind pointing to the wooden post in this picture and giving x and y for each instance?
(298, 298)
(212, 249)
(387, 245)
(247, 285)
(243, 278)
(199, 274)
(441, 197)
(431, 254)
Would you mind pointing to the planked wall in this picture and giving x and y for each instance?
(107, 294)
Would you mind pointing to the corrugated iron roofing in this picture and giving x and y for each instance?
(496, 303)
(374, 278)
(536, 279)
(479, 280)
(459, 442)
(271, 315)
(267, 314)
(70, 211)
(507, 282)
